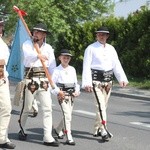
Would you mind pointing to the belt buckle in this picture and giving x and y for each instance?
(36, 69)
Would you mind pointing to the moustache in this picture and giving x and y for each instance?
(35, 39)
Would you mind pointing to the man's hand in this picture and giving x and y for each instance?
(123, 84)
(75, 94)
(61, 96)
(88, 88)
(42, 57)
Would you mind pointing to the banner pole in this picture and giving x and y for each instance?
(20, 14)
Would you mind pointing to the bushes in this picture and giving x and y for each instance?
(130, 37)
(136, 52)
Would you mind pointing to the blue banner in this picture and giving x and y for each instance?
(15, 65)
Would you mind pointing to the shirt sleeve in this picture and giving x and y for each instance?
(52, 62)
(77, 86)
(56, 90)
(7, 54)
(118, 70)
(29, 54)
(86, 74)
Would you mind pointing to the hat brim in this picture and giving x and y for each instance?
(66, 54)
(102, 32)
(42, 30)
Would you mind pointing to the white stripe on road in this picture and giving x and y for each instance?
(93, 114)
(141, 124)
(84, 112)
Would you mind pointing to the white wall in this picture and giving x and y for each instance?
(123, 9)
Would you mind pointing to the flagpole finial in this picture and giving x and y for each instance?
(16, 9)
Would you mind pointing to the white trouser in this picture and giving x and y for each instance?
(101, 103)
(5, 111)
(46, 105)
(35, 105)
(65, 123)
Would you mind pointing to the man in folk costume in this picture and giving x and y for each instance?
(100, 63)
(5, 102)
(37, 85)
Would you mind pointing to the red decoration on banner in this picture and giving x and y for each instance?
(22, 12)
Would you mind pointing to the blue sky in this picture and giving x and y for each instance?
(116, 0)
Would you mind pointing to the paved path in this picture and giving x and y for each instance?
(131, 92)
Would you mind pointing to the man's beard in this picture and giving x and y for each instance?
(35, 39)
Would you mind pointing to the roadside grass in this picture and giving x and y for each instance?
(140, 83)
(133, 82)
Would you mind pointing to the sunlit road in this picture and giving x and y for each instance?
(128, 121)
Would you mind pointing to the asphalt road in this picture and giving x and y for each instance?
(128, 121)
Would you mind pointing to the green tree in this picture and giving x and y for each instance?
(59, 15)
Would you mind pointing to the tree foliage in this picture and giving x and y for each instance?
(73, 24)
(59, 15)
(130, 37)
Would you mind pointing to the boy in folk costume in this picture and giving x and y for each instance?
(66, 79)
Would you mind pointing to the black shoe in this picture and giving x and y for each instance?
(70, 142)
(8, 145)
(54, 144)
(22, 136)
(105, 137)
(98, 133)
(59, 137)
(35, 113)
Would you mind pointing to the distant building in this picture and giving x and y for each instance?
(126, 7)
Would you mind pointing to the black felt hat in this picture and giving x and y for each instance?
(102, 30)
(41, 27)
(65, 52)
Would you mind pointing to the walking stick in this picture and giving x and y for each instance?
(64, 119)
(22, 13)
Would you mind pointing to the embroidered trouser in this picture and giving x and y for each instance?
(35, 89)
(102, 91)
(5, 110)
(65, 124)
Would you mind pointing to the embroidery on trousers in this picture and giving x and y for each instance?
(33, 86)
(44, 85)
(108, 87)
(100, 86)
(105, 87)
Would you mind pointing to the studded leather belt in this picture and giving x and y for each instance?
(103, 76)
(35, 72)
(67, 87)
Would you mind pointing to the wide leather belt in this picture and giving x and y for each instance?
(67, 87)
(35, 69)
(101, 75)
(35, 72)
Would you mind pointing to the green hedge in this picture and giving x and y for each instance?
(130, 37)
